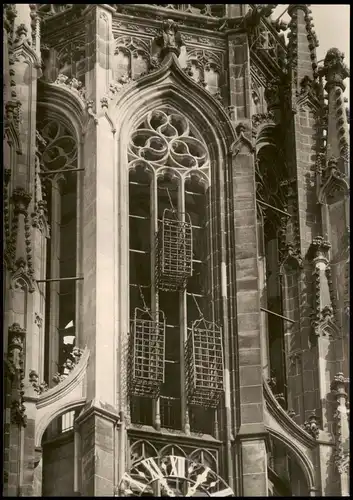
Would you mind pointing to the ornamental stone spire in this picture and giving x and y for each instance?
(335, 71)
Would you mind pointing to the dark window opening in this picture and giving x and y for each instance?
(202, 419)
(61, 263)
(167, 196)
(141, 410)
(140, 270)
(170, 412)
(275, 323)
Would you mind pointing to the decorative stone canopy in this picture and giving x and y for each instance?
(334, 68)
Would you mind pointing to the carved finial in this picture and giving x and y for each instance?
(334, 69)
(21, 32)
(312, 427)
(319, 252)
(291, 414)
(171, 39)
(339, 383)
(16, 337)
(21, 200)
(18, 413)
(292, 8)
(272, 96)
(104, 102)
(68, 366)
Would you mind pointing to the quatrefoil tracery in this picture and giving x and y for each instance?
(165, 139)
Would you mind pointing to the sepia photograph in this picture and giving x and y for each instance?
(176, 250)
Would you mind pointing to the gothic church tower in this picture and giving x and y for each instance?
(176, 252)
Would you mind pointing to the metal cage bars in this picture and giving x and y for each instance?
(173, 251)
(203, 355)
(147, 344)
(204, 361)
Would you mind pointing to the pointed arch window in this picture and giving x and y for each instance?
(58, 175)
(271, 207)
(170, 254)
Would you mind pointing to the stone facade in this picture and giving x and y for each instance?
(207, 361)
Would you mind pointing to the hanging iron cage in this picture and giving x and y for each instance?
(174, 251)
(147, 343)
(204, 361)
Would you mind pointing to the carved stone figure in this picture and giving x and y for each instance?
(171, 39)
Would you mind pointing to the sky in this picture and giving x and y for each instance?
(332, 26)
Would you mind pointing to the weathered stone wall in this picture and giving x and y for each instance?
(58, 467)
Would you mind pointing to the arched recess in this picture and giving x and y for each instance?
(272, 204)
(171, 449)
(282, 428)
(58, 464)
(60, 118)
(290, 278)
(139, 450)
(167, 87)
(59, 109)
(299, 470)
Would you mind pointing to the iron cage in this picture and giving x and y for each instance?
(204, 362)
(147, 347)
(174, 251)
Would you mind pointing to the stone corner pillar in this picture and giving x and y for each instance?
(253, 464)
(96, 450)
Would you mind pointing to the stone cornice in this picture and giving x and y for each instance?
(160, 13)
(166, 435)
(99, 408)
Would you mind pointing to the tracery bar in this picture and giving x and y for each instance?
(185, 420)
(156, 408)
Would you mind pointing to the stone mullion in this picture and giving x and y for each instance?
(213, 264)
(212, 279)
(232, 312)
(183, 332)
(54, 286)
(224, 309)
(154, 291)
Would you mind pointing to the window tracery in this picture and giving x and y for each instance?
(132, 58)
(205, 68)
(141, 449)
(58, 162)
(169, 173)
(167, 139)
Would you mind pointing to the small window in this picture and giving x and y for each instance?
(67, 421)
